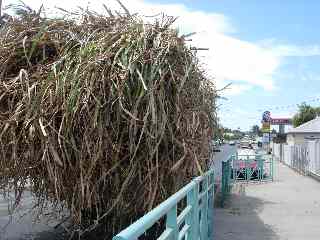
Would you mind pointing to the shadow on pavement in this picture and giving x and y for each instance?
(239, 219)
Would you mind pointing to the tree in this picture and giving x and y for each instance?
(255, 130)
(305, 114)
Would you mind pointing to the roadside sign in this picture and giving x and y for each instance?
(265, 138)
(266, 116)
(281, 121)
(265, 127)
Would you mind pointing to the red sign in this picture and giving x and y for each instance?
(280, 121)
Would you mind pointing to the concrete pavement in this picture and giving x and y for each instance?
(286, 209)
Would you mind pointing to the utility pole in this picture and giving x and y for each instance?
(281, 132)
(0, 8)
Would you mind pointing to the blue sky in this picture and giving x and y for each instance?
(272, 23)
(268, 50)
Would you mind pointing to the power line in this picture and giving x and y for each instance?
(290, 106)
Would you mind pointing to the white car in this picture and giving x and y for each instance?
(245, 144)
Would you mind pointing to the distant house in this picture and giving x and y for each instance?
(308, 130)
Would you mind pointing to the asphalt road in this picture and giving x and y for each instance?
(21, 225)
(219, 157)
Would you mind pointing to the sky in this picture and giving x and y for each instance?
(268, 50)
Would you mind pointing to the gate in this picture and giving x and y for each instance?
(237, 168)
(255, 167)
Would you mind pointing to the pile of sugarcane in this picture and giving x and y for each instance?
(102, 114)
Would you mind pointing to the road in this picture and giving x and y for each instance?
(21, 224)
(218, 157)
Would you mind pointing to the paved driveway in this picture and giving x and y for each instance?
(286, 209)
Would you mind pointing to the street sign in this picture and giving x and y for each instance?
(281, 121)
(266, 116)
(265, 127)
(265, 138)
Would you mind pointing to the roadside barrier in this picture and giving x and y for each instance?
(194, 221)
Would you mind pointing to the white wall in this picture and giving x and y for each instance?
(300, 138)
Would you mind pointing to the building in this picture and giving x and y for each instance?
(308, 130)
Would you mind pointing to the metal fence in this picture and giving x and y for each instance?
(304, 158)
(299, 158)
(314, 157)
(195, 221)
(254, 167)
(250, 167)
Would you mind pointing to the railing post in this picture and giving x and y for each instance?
(231, 168)
(260, 167)
(204, 211)
(223, 184)
(234, 167)
(229, 174)
(247, 168)
(272, 168)
(210, 207)
(171, 222)
(193, 218)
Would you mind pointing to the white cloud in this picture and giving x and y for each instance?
(231, 59)
(289, 50)
(298, 51)
(284, 114)
(228, 59)
(236, 89)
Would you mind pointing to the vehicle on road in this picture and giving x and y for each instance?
(232, 143)
(215, 146)
(244, 143)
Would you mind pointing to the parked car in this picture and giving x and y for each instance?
(215, 146)
(216, 150)
(244, 144)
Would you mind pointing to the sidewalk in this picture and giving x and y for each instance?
(286, 209)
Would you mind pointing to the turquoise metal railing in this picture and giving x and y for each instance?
(195, 221)
(227, 180)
